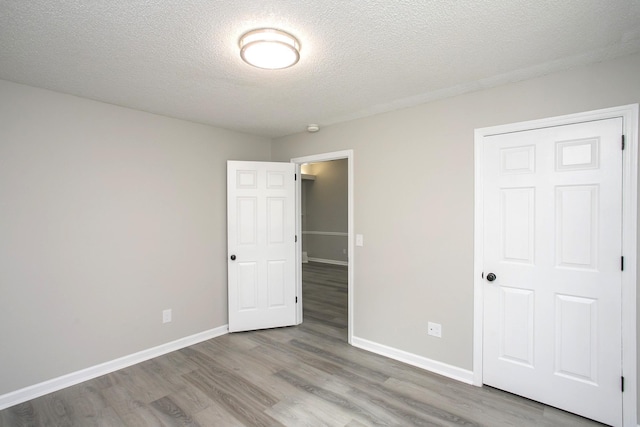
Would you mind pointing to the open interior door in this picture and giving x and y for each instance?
(261, 245)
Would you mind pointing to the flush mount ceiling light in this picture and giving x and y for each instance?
(269, 48)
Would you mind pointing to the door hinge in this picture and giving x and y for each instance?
(623, 142)
(621, 263)
(296, 300)
(295, 176)
(622, 384)
(296, 239)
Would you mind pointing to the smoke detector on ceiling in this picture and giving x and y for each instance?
(313, 128)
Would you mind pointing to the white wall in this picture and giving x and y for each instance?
(107, 216)
(414, 199)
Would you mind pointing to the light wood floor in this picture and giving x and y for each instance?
(297, 376)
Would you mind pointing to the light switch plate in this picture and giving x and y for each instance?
(359, 240)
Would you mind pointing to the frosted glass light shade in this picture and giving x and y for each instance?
(269, 48)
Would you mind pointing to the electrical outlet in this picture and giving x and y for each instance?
(166, 315)
(344, 251)
(434, 329)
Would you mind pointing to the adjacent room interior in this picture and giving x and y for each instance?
(116, 125)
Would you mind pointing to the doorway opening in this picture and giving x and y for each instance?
(324, 243)
(332, 246)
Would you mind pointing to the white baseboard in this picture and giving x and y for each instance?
(434, 366)
(329, 261)
(327, 233)
(55, 384)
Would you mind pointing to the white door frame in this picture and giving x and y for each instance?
(629, 114)
(336, 155)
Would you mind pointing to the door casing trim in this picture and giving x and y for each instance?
(336, 155)
(629, 114)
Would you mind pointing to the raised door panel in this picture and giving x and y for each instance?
(247, 223)
(577, 154)
(518, 160)
(517, 326)
(247, 273)
(518, 225)
(276, 284)
(276, 220)
(576, 355)
(577, 226)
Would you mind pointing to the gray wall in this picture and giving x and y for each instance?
(107, 216)
(325, 210)
(414, 199)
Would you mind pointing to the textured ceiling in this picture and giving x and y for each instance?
(359, 57)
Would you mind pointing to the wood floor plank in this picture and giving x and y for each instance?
(52, 409)
(20, 415)
(236, 404)
(171, 414)
(122, 399)
(305, 375)
(294, 356)
(90, 408)
(300, 409)
(143, 384)
(141, 417)
(191, 399)
(404, 414)
(235, 383)
(337, 399)
(557, 418)
(216, 415)
(257, 370)
(329, 355)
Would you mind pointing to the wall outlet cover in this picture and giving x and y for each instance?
(434, 329)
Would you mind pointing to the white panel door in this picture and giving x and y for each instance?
(261, 245)
(552, 304)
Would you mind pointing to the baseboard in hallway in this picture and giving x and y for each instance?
(328, 261)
